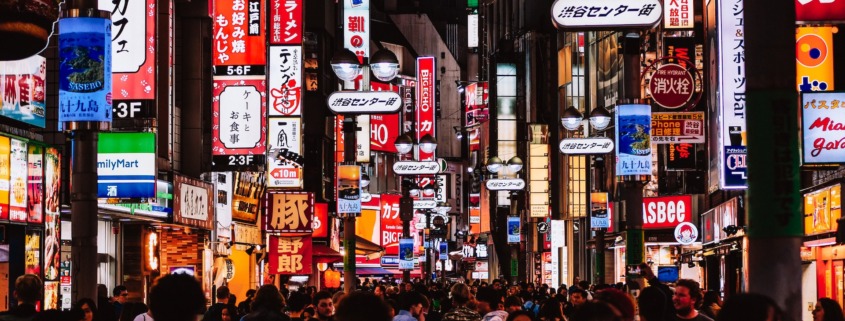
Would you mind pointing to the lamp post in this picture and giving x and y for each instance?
(494, 165)
(599, 119)
(345, 65)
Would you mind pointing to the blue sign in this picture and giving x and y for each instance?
(736, 171)
(126, 165)
(633, 137)
(24, 90)
(85, 69)
(444, 250)
(513, 229)
(406, 254)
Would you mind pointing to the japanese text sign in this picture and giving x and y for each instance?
(671, 86)
(578, 14)
(666, 211)
(285, 80)
(35, 184)
(580, 146)
(5, 175)
(505, 184)
(284, 163)
(248, 190)
(22, 86)
(633, 136)
(678, 14)
(238, 122)
(823, 127)
(680, 127)
(814, 58)
(85, 92)
(391, 224)
(819, 10)
(289, 212)
(356, 27)
(290, 255)
(320, 220)
(238, 37)
(732, 94)
(477, 97)
(133, 47)
(17, 181)
(285, 22)
(425, 102)
(384, 129)
(415, 168)
(822, 209)
(193, 204)
(364, 102)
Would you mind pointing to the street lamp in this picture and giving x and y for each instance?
(599, 118)
(571, 119)
(365, 180)
(515, 164)
(404, 144)
(428, 144)
(345, 65)
(494, 164)
(384, 65)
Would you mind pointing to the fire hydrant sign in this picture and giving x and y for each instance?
(364, 102)
(671, 86)
(581, 14)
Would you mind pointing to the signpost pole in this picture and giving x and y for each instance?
(406, 209)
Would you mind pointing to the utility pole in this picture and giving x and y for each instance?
(349, 129)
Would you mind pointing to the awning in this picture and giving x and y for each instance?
(360, 270)
(323, 254)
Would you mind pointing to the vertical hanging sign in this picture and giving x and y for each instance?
(732, 95)
(17, 181)
(285, 22)
(633, 137)
(238, 38)
(284, 144)
(133, 46)
(425, 102)
(85, 92)
(285, 80)
(35, 185)
(356, 27)
(238, 130)
(5, 175)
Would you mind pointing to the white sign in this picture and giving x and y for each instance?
(505, 184)
(362, 139)
(284, 83)
(440, 182)
(474, 219)
(415, 168)
(733, 171)
(686, 233)
(194, 200)
(472, 31)
(364, 102)
(245, 102)
(129, 28)
(223, 203)
(677, 14)
(356, 27)
(595, 145)
(427, 204)
(284, 144)
(823, 127)
(580, 14)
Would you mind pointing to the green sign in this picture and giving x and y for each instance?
(126, 165)
(514, 267)
(472, 3)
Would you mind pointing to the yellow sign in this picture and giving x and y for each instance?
(821, 210)
(814, 58)
(5, 175)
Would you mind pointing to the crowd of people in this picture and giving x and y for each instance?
(179, 297)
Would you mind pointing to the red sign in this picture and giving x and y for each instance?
(425, 102)
(237, 123)
(289, 212)
(391, 224)
(819, 10)
(133, 49)
(290, 255)
(238, 33)
(671, 86)
(477, 96)
(320, 220)
(384, 129)
(285, 22)
(666, 211)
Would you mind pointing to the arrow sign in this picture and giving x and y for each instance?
(579, 146)
(364, 102)
(423, 205)
(416, 168)
(505, 184)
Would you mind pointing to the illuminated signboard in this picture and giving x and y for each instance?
(238, 123)
(85, 92)
(822, 125)
(22, 86)
(126, 165)
(284, 144)
(814, 58)
(238, 37)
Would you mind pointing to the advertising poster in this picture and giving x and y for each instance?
(666, 212)
(814, 58)
(285, 81)
(425, 102)
(477, 98)
(513, 229)
(5, 175)
(289, 255)
(133, 48)
(285, 22)
(633, 137)
(247, 191)
(237, 128)
(17, 181)
(52, 184)
(32, 252)
(51, 295)
(23, 90)
(821, 127)
(677, 127)
(821, 210)
(320, 221)
(599, 217)
(443, 251)
(349, 190)
(126, 165)
(238, 37)
(85, 92)
(284, 143)
(289, 212)
(193, 203)
(391, 223)
(406, 254)
(35, 185)
(356, 27)
(732, 81)
(384, 129)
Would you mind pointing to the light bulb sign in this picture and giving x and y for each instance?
(580, 14)
(580, 146)
(364, 102)
(505, 184)
(416, 168)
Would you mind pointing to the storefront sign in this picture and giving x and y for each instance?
(285, 80)
(35, 185)
(248, 189)
(582, 146)
(677, 127)
(416, 168)
(289, 255)
(823, 128)
(666, 211)
(390, 223)
(133, 48)
(126, 165)
(320, 220)
(362, 139)
(23, 90)
(807, 11)
(238, 35)
(364, 102)
(285, 22)
(472, 30)
(356, 27)
(349, 189)
(32, 252)
(477, 97)
(426, 100)
(424, 204)
(822, 209)
(289, 212)
(17, 181)
(814, 58)
(384, 129)
(247, 234)
(85, 75)
(680, 156)
(284, 148)
(151, 257)
(406, 254)
(714, 221)
(633, 136)
(579, 14)
(237, 135)
(671, 86)
(678, 14)
(686, 233)
(193, 204)
(599, 217)
(733, 170)
(505, 184)
(514, 226)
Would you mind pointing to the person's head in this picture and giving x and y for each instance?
(408, 287)
(413, 302)
(228, 312)
(308, 313)
(102, 291)
(120, 293)
(619, 300)
(711, 297)
(577, 296)
(176, 297)
(87, 307)
(497, 284)
(379, 291)
(551, 310)
(488, 300)
(362, 306)
(337, 296)
(653, 305)
(323, 305)
(393, 307)
(513, 303)
(297, 302)
(750, 307)
(268, 298)
(27, 289)
(687, 297)
(519, 316)
(513, 290)
(596, 311)
(460, 294)
(562, 290)
(223, 294)
(250, 294)
(827, 310)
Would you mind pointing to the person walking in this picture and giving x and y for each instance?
(490, 304)
(460, 297)
(27, 292)
(267, 305)
(827, 310)
(687, 296)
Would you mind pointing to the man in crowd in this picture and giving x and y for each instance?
(296, 304)
(491, 305)
(176, 297)
(460, 297)
(687, 296)
(324, 306)
(120, 294)
(577, 298)
(214, 312)
(379, 291)
(27, 293)
(412, 307)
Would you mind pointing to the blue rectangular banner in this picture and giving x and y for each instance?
(85, 70)
(633, 140)
(406, 254)
(513, 229)
(444, 250)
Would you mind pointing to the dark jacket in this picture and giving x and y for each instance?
(20, 312)
(105, 310)
(265, 315)
(215, 312)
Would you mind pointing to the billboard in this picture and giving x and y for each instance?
(52, 184)
(406, 254)
(633, 136)
(477, 98)
(238, 36)
(248, 189)
(349, 189)
(513, 229)
(289, 255)
(814, 58)
(193, 203)
(237, 123)
(425, 102)
(5, 175)
(732, 169)
(677, 127)
(17, 181)
(822, 122)
(384, 129)
(285, 23)
(391, 224)
(599, 216)
(666, 212)
(85, 92)
(133, 48)
(822, 209)
(289, 212)
(284, 148)
(35, 184)
(126, 165)
(356, 27)
(285, 80)
(23, 90)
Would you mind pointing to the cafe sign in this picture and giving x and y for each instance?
(606, 14)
